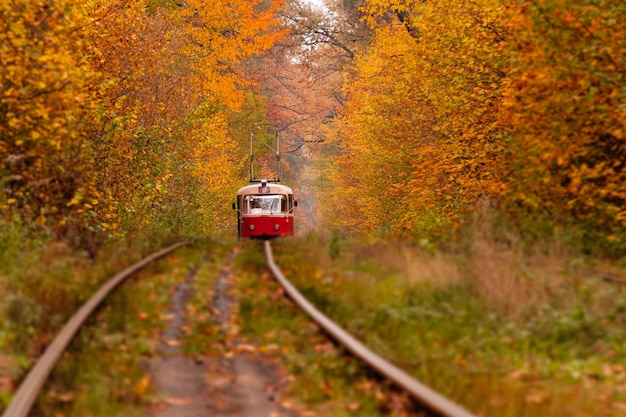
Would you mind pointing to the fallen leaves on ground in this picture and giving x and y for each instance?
(177, 401)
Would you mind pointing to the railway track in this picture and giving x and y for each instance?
(420, 392)
(29, 389)
(429, 399)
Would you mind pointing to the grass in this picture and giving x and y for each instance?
(103, 372)
(502, 331)
(204, 335)
(326, 382)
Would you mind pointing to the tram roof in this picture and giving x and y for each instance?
(274, 188)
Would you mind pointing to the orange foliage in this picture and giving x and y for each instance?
(427, 100)
(43, 109)
(115, 111)
(376, 133)
(456, 102)
(564, 108)
(221, 35)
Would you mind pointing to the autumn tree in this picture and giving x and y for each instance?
(299, 86)
(44, 109)
(419, 129)
(564, 110)
(513, 104)
(116, 116)
(302, 74)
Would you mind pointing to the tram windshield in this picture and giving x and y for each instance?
(265, 204)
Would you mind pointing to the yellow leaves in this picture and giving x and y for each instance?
(160, 83)
(562, 96)
(222, 36)
(142, 385)
(177, 401)
(489, 100)
(42, 95)
(421, 113)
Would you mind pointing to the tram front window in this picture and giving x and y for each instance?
(266, 204)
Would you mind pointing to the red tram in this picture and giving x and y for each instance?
(265, 210)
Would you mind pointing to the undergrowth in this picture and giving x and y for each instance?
(105, 371)
(326, 382)
(100, 374)
(501, 330)
(44, 281)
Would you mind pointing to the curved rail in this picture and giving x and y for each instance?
(29, 389)
(419, 391)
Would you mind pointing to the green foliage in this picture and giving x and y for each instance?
(104, 373)
(329, 382)
(448, 333)
(205, 336)
(10, 237)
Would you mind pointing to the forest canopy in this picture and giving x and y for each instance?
(114, 113)
(456, 105)
(121, 116)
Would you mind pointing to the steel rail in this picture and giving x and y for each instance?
(29, 389)
(422, 393)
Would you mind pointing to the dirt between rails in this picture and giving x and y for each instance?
(240, 384)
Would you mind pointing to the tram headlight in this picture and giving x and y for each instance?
(251, 227)
(276, 227)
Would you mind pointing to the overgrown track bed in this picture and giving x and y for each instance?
(30, 387)
(423, 394)
(231, 359)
